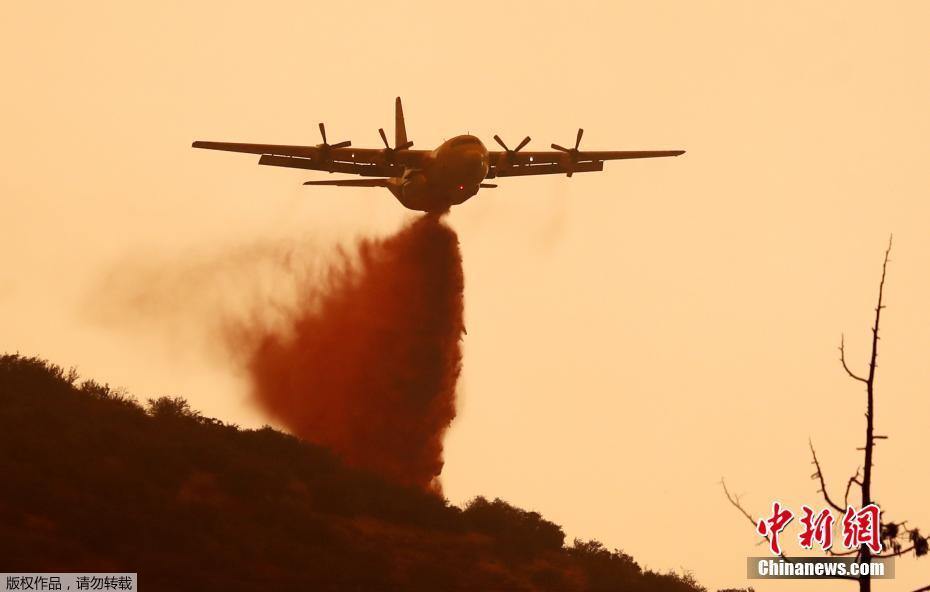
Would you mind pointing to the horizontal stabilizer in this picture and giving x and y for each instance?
(352, 183)
(487, 185)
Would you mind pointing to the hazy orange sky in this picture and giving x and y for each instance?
(633, 335)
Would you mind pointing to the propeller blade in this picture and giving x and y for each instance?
(501, 142)
(525, 141)
(384, 138)
(405, 145)
(345, 144)
(557, 147)
(323, 132)
(578, 139)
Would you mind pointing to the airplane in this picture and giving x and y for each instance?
(430, 180)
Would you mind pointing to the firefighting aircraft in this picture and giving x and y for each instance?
(431, 180)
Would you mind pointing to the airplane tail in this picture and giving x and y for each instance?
(400, 130)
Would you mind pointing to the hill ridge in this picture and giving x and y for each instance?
(96, 481)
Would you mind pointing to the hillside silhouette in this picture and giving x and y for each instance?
(94, 481)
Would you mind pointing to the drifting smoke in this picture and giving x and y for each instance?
(368, 364)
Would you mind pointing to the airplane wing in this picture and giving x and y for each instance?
(548, 162)
(351, 183)
(373, 162)
(299, 151)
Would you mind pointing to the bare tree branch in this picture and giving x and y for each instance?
(853, 479)
(843, 360)
(865, 553)
(830, 551)
(819, 475)
(903, 551)
(734, 499)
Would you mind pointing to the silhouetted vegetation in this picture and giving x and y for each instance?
(92, 480)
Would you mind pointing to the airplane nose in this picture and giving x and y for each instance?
(476, 163)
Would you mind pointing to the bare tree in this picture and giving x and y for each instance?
(897, 537)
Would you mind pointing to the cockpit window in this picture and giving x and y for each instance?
(465, 140)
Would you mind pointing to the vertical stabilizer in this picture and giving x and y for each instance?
(400, 130)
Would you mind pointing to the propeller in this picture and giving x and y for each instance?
(510, 152)
(519, 147)
(389, 152)
(327, 146)
(571, 152)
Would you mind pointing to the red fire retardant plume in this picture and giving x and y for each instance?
(369, 363)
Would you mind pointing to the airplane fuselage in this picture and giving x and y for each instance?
(449, 175)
